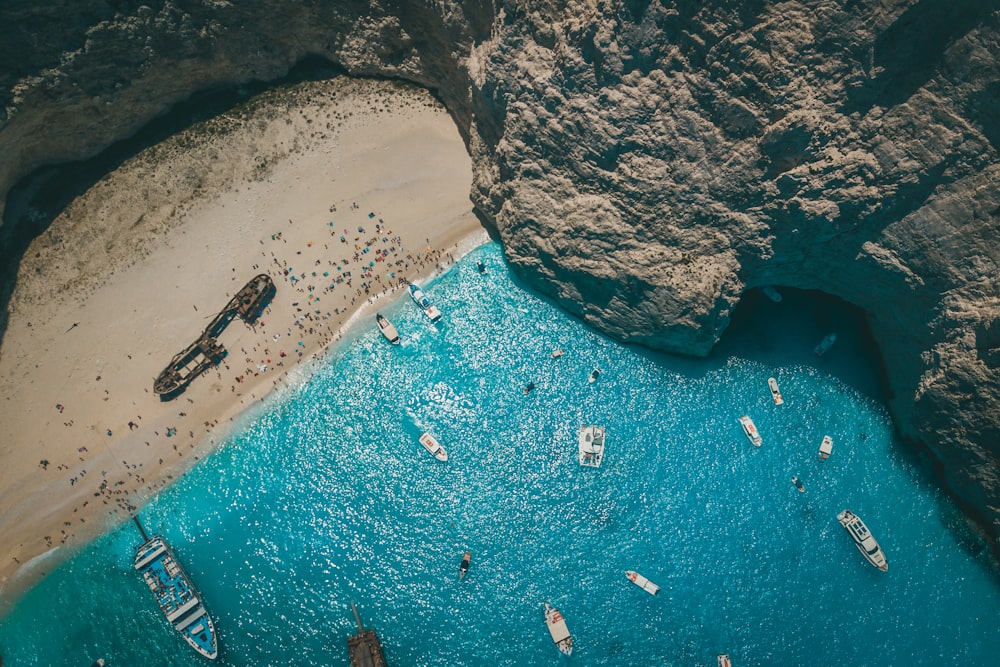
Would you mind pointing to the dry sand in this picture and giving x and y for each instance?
(134, 270)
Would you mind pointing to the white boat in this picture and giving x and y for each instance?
(642, 582)
(419, 298)
(776, 396)
(431, 444)
(591, 446)
(556, 624)
(389, 331)
(556, 354)
(825, 344)
(596, 373)
(772, 294)
(724, 660)
(863, 539)
(825, 448)
(751, 431)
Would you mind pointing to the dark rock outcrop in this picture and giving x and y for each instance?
(645, 162)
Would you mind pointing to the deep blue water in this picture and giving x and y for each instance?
(325, 497)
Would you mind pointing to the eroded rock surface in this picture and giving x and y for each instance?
(644, 162)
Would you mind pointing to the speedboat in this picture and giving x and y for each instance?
(463, 569)
(724, 661)
(419, 298)
(556, 624)
(798, 484)
(431, 444)
(825, 344)
(642, 582)
(776, 396)
(751, 431)
(863, 539)
(825, 448)
(591, 446)
(389, 331)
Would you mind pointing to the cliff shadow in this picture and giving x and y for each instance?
(910, 51)
(41, 196)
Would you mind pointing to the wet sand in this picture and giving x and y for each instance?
(342, 191)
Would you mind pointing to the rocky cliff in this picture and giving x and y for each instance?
(645, 162)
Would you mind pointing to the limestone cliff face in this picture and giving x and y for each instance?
(645, 162)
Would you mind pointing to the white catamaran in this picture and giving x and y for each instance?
(591, 446)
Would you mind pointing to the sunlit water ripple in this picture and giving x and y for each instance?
(326, 497)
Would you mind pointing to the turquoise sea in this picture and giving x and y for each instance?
(324, 497)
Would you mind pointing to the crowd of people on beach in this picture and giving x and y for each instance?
(358, 266)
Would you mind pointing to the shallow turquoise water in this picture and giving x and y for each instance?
(326, 497)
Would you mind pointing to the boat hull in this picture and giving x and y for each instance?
(750, 430)
(825, 448)
(558, 630)
(863, 539)
(176, 596)
(590, 447)
(433, 447)
(387, 329)
(776, 396)
(642, 582)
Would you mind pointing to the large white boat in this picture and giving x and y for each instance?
(776, 396)
(389, 331)
(825, 448)
(175, 594)
(431, 444)
(591, 446)
(556, 624)
(642, 582)
(419, 298)
(751, 431)
(863, 539)
(825, 344)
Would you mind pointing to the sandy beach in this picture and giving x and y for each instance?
(341, 191)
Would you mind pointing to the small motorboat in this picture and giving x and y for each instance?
(825, 344)
(724, 661)
(776, 396)
(825, 448)
(556, 624)
(556, 354)
(528, 388)
(480, 267)
(798, 484)
(389, 331)
(772, 294)
(750, 429)
(431, 444)
(596, 373)
(463, 569)
(419, 298)
(642, 582)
